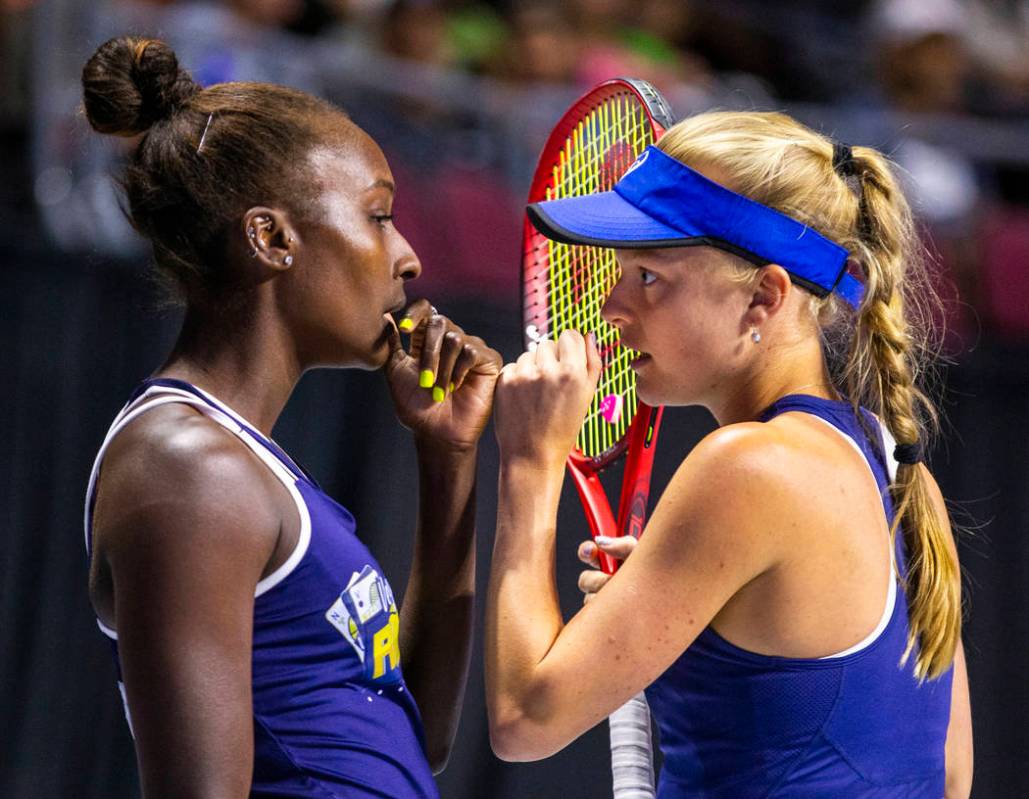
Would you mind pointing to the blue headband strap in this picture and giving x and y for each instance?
(661, 202)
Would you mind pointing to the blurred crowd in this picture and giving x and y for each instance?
(461, 93)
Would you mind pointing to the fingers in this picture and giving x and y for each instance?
(588, 554)
(592, 581)
(571, 351)
(413, 321)
(392, 335)
(619, 548)
(594, 363)
(462, 354)
(414, 314)
(526, 364)
(453, 346)
(476, 356)
(445, 354)
(396, 347)
(543, 398)
(433, 333)
(579, 354)
(545, 356)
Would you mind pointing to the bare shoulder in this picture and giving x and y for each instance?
(173, 476)
(724, 490)
(747, 457)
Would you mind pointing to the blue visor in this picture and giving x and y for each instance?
(661, 202)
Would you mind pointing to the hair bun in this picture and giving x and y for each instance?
(130, 83)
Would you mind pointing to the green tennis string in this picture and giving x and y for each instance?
(579, 278)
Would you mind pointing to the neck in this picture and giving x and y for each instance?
(777, 370)
(244, 358)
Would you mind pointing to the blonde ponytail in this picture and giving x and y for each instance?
(883, 372)
(876, 358)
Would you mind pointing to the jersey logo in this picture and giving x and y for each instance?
(365, 613)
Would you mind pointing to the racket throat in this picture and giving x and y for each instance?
(632, 506)
(598, 509)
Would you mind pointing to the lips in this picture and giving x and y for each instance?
(626, 343)
(641, 358)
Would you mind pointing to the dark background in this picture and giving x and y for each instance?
(80, 323)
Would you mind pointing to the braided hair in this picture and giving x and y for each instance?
(877, 357)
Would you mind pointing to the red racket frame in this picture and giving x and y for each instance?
(641, 436)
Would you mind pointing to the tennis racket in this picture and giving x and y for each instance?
(564, 287)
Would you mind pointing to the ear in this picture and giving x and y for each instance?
(270, 238)
(769, 296)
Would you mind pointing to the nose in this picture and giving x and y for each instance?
(614, 310)
(407, 266)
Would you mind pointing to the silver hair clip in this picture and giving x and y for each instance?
(204, 134)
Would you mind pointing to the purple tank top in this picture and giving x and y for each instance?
(332, 715)
(738, 725)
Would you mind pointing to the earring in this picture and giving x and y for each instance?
(288, 260)
(253, 253)
(755, 336)
(251, 232)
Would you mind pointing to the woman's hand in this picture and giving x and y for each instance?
(442, 385)
(543, 397)
(592, 580)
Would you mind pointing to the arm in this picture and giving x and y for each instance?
(438, 608)
(548, 682)
(186, 529)
(959, 733)
(959, 752)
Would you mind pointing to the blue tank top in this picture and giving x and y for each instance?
(332, 715)
(735, 724)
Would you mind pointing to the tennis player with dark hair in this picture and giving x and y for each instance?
(259, 642)
(793, 608)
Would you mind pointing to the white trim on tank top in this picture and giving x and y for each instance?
(891, 591)
(229, 418)
(161, 395)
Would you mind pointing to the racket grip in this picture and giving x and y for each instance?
(632, 753)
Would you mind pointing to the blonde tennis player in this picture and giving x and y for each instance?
(793, 608)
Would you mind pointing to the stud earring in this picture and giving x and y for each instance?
(755, 336)
(288, 260)
(251, 232)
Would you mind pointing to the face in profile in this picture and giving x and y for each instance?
(352, 264)
(682, 311)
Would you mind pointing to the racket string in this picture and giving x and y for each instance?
(578, 279)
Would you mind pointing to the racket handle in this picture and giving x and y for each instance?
(632, 751)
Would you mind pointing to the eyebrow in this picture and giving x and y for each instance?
(652, 255)
(382, 183)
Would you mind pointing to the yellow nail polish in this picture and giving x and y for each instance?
(426, 378)
(437, 394)
(450, 389)
(406, 324)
